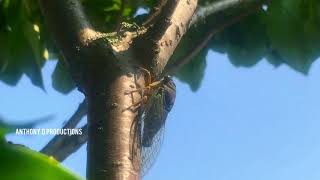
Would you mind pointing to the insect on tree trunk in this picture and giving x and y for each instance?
(104, 71)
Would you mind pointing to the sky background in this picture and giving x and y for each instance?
(257, 123)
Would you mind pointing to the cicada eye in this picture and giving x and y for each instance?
(166, 79)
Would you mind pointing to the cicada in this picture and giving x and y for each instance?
(158, 100)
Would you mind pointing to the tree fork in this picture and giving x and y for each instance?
(106, 73)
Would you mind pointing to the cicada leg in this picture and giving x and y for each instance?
(145, 91)
(136, 105)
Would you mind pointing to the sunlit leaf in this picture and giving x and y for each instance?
(19, 162)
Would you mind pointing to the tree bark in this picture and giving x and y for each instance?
(106, 72)
(110, 130)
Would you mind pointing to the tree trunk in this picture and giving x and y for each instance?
(106, 72)
(110, 123)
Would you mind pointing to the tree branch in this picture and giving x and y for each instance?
(161, 39)
(57, 142)
(163, 21)
(68, 24)
(219, 6)
(70, 144)
(74, 36)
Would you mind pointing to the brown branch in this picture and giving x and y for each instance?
(70, 144)
(219, 6)
(74, 36)
(163, 20)
(77, 116)
(161, 39)
(69, 25)
(55, 144)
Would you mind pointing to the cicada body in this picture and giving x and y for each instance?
(152, 121)
(154, 117)
(157, 112)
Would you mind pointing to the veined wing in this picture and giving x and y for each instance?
(143, 128)
(154, 122)
(149, 127)
(153, 130)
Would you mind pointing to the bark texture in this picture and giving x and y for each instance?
(162, 37)
(110, 132)
(105, 72)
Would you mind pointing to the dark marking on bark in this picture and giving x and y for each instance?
(114, 105)
(178, 33)
(166, 42)
(157, 50)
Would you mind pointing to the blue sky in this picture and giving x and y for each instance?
(257, 123)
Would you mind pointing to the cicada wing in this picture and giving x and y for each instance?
(153, 132)
(150, 124)
(150, 154)
(135, 144)
(143, 127)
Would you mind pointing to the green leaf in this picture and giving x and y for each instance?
(9, 69)
(246, 41)
(61, 79)
(293, 29)
(19, 162)
(288, 32)
(193, 72)
(29, 164)
(20, 50)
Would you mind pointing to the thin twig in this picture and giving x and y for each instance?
(55, 144)
(174, 67)
(154, 14)
(219, 6)
(71, 144)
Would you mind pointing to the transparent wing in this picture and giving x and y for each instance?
(153, 131)
(148, 126)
